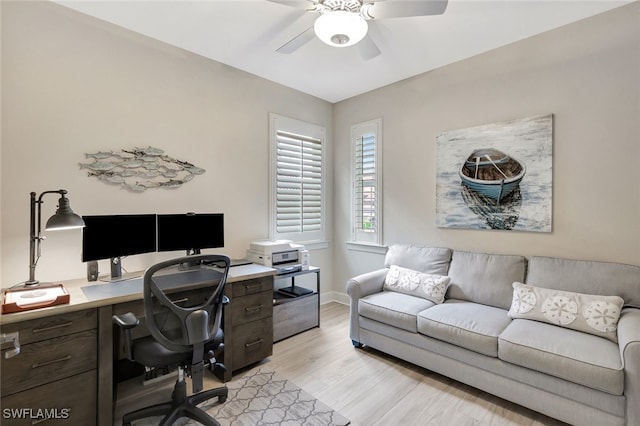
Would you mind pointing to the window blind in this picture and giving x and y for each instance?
(365, 184)
(298, 183)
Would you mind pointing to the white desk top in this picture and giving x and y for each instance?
(79, 301)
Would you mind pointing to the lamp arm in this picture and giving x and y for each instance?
(62, 193)
(35, 232)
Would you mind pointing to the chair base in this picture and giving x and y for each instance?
(180, 406)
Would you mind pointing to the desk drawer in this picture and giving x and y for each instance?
(181, 298)
(244, 288)
(252, 342)
(252, 307)
(53, 326)
(70, 401)
(43, 362)
(293, 316)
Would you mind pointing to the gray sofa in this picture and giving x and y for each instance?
(478, 336)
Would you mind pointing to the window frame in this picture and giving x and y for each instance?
(280, 125)
(358, 235)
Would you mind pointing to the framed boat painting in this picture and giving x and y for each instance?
(496, 176)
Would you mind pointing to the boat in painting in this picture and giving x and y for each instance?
(501, 216)
(491, 173)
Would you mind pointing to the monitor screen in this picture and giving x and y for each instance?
(191, 231)
(111, 236)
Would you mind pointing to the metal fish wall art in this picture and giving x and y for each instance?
(140, 169)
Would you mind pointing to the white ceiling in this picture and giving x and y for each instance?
(246, 33)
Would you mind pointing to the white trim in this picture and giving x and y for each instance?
(334, 296)
(278, 123)
(315, 245)
(359, 130)
(366, 247)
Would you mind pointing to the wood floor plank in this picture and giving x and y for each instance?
(374, 389)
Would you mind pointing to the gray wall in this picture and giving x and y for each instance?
(72, 85)
(587, 74)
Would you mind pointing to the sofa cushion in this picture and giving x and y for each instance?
(583, 312)
(584, 276)
(485, 278)
(407, 281)
(430, 260)
(469, 325)
(571, 355)
(396, 309)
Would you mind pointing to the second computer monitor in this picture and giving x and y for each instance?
(191, 231)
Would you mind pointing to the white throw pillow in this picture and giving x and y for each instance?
(589, 313)
(407, 281)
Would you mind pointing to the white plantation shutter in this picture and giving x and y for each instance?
(298, 175)
(299, 183)
(367, 182)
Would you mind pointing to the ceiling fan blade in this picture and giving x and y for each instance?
(367, 48)
(298, 41)
(405, 8)
(300, 4)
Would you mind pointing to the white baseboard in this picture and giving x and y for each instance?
(334, 296)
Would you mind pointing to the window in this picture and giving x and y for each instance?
(366, 166)
(297, 182)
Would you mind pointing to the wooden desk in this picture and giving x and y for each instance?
(67, 353)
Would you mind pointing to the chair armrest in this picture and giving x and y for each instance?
(629, 342)
(126, 322)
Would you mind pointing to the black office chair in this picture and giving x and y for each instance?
(181, 336)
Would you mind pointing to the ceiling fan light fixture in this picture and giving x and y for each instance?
(340, 28)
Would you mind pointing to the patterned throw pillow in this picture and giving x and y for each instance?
(588, 313)
(414, 283)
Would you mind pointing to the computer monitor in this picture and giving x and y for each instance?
(191, 231)
(115, 236)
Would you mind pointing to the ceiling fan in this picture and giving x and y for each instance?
(343, 23)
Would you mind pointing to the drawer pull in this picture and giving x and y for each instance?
(53, 361)
(257, 342)
(13, 338)
(253, 288)
(53, 327)
(175, 302)
(253, 308)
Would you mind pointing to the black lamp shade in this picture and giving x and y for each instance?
(64, 218)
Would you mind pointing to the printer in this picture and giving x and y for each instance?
(283, 255)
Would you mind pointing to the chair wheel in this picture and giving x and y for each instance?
(222, 399)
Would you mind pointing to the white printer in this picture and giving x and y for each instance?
(283, 255)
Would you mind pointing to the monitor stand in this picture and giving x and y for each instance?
(116, 272)
(185, 266)
(116, 268)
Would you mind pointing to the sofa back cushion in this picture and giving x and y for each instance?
(430, 260)
(585, 276)
(485, 278)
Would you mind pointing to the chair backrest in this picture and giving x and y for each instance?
(180, 327)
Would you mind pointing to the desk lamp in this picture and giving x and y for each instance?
(64, 218)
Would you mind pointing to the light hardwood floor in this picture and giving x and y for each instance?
(372, 388)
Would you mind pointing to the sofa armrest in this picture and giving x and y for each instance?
(366, 284)
(629, 341)
(357, 288)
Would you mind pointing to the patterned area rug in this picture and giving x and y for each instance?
(262, 397)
